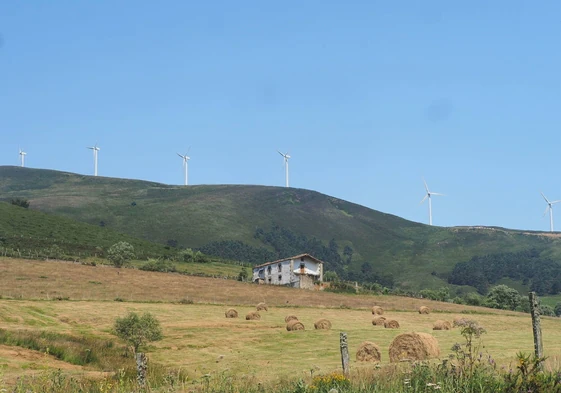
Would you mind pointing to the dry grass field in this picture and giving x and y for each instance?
(198, 338)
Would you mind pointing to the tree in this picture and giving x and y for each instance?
(557, 309)
(243, 274)
(504, 297)
(120, 253)
(138, 330)
(21, 202)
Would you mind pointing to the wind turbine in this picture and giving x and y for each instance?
(185, 158)
(286, 157)
(550, 208)
(22, 157)
(428, 195)
(95, 150)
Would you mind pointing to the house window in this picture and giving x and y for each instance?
(302, 266)
(302, 259)
(269, 270)
(280, 267)
(280, 277)
(269, 279)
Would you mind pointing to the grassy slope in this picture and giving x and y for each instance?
(196, 215)
(200, 340)
(25, 228)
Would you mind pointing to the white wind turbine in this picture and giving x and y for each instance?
(286, 157)
(95, 150)
(550, 208)
(22, 157)
(428, 195)
(185, 158)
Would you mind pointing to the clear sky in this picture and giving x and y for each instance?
(366, 96)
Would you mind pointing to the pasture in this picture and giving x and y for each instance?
(200, 341)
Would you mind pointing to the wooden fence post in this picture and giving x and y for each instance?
(141, 366)
(344, 352)
(536, 325)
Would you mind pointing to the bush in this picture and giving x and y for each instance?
(21, 202)
(503, 297)
(158, 265)
(547, 310)
(120, 253)
(138, 330)
(243, 274)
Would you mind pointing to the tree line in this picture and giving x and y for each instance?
(542, 275)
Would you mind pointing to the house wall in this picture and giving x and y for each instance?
(282, 273)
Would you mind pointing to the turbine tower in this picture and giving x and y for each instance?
(550, 208)
(286, 157)
(428, 196)
(22, 157)
(185, 158)
(95, 150)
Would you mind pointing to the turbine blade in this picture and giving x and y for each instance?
(280, 153)
(426, 187)
(179, 155)
(422, 200)
(546, 209)
(552, 202)
(437, 193)
(544, 197)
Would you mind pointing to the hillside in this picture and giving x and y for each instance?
(257, 223)
(31, 232)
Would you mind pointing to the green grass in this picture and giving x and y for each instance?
(418, 256)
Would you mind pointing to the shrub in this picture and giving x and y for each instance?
(138, 330)
(120, 253)
(158, 265)
(547, 310)
(21, 202)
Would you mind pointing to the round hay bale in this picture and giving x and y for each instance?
(378, 321)
(413, 346)
(294, 325)
(253, 316)
(368, 352)
(323, 324)
(289, 318)
(377, 310)
(231, 313)
(391, 324)
(424, 310)
(262, 307)
(442, 325)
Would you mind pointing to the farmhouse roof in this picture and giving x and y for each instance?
(288, 259)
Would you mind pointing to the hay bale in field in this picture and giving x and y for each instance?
(378, 321)
(377, 310)
(413, 346)
(391, 324)
(368, 352)
(294, 325)
(262, 307)
(253, 316)
(442, 325)
(289, 318)
(231, 313)
(323, 324)
(424, 310)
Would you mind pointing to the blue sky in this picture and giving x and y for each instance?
(366, 96)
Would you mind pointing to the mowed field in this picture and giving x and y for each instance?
(198, 338)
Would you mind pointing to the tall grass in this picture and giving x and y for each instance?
(78, 350)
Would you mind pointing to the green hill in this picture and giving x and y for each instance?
(258, 223)
(32, 233)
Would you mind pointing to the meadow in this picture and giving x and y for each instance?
(72, 300)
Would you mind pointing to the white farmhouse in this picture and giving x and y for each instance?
(300, 271)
